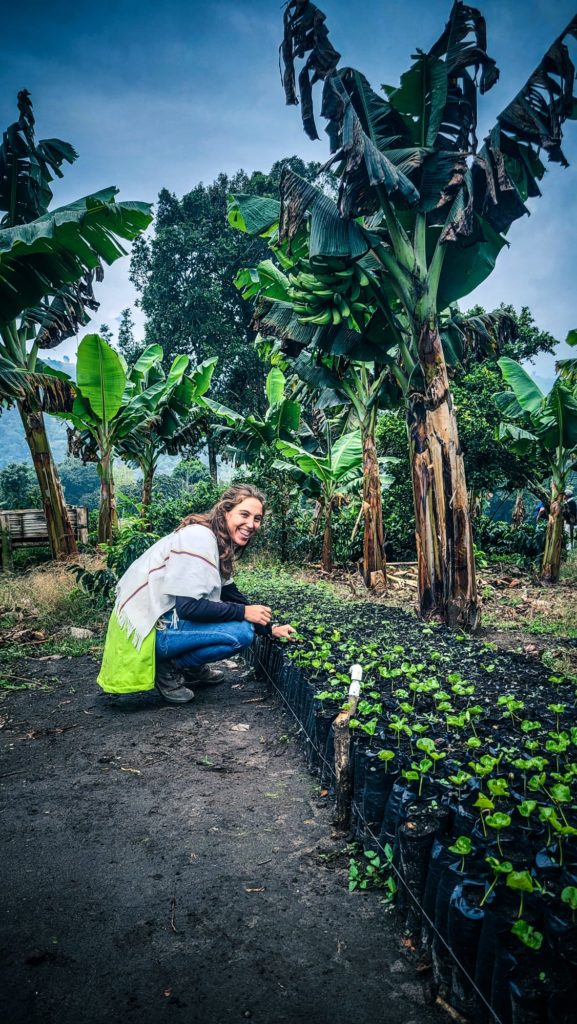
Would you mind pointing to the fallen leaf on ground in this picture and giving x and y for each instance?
(239, 728)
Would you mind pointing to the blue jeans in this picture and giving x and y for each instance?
(191, 644)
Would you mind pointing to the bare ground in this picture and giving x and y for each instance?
(162, 863)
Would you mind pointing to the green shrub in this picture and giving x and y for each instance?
(165, 515)
(497, 537)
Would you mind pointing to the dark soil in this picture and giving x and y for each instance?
(162, 863)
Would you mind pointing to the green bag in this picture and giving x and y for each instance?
(125, 669)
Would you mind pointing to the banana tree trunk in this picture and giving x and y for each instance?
(60, 532)
(147, 481)
(327, 554)
(107, 517)
(553, 540)
(518, 513)
(212, 464)
(374, 559)
(446, 565)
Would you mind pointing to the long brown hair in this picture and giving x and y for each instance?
(216, 521)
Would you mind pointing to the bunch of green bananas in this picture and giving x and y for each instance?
(330, 296)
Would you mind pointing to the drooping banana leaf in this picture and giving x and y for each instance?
(305, 31)
(330, 235)
(45, 388)
(62, 316)
(57, 249)
(27, 167)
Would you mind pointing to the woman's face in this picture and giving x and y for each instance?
(243, 520)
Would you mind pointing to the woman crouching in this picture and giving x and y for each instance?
(177, 608)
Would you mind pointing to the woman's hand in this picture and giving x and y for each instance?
(284, 632)
(259, 614)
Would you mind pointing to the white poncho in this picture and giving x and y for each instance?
(183, 564)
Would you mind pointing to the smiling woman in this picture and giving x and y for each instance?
(177, 608)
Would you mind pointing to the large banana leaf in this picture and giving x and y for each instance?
(256, 215)
(346, 453)
(201, 376)
(264, 279)
(57, 249)
(526, 391)
(151, 356)
(561, 412)
(100, 378)
(275, 385)
(307, 463)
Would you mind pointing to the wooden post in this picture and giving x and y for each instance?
(7, 559)
(343, 772)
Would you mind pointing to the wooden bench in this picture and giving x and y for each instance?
(26, 528)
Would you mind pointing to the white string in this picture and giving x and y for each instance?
(375, 839)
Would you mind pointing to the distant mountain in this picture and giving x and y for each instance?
(13, 447)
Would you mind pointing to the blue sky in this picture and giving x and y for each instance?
(170, 94)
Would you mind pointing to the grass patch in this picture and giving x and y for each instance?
(48, 601)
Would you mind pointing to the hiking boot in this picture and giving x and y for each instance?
(182, 695)
(204, 675)
(170, 684)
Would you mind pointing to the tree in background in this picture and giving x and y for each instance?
(47, 264)
(130, 348)
(184, 276)
(435, 211)
(18, 487)
(542, 429)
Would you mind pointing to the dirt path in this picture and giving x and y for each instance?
(163, 863)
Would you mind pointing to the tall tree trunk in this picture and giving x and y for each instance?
(284, 506)
(518, 513)
(60, 532)
(374, 559)
(446, 565)
(146, 493)
(553, 539)
(212, 465)
(327, 555)
(107, 517)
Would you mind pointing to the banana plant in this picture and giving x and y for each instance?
(323, 321)
(567, 368)
(174, 418)
(425, 213)
(542, 427)
(328, 477)
(111, 406)
(246, 436)
(48, 261)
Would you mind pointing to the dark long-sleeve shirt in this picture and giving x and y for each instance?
(230, 608)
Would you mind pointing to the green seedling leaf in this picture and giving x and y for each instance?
(569, 896)
(462, 846)
(528, 935)
(498, 820)
(527, 807)
(521, 881)
(386, 755)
